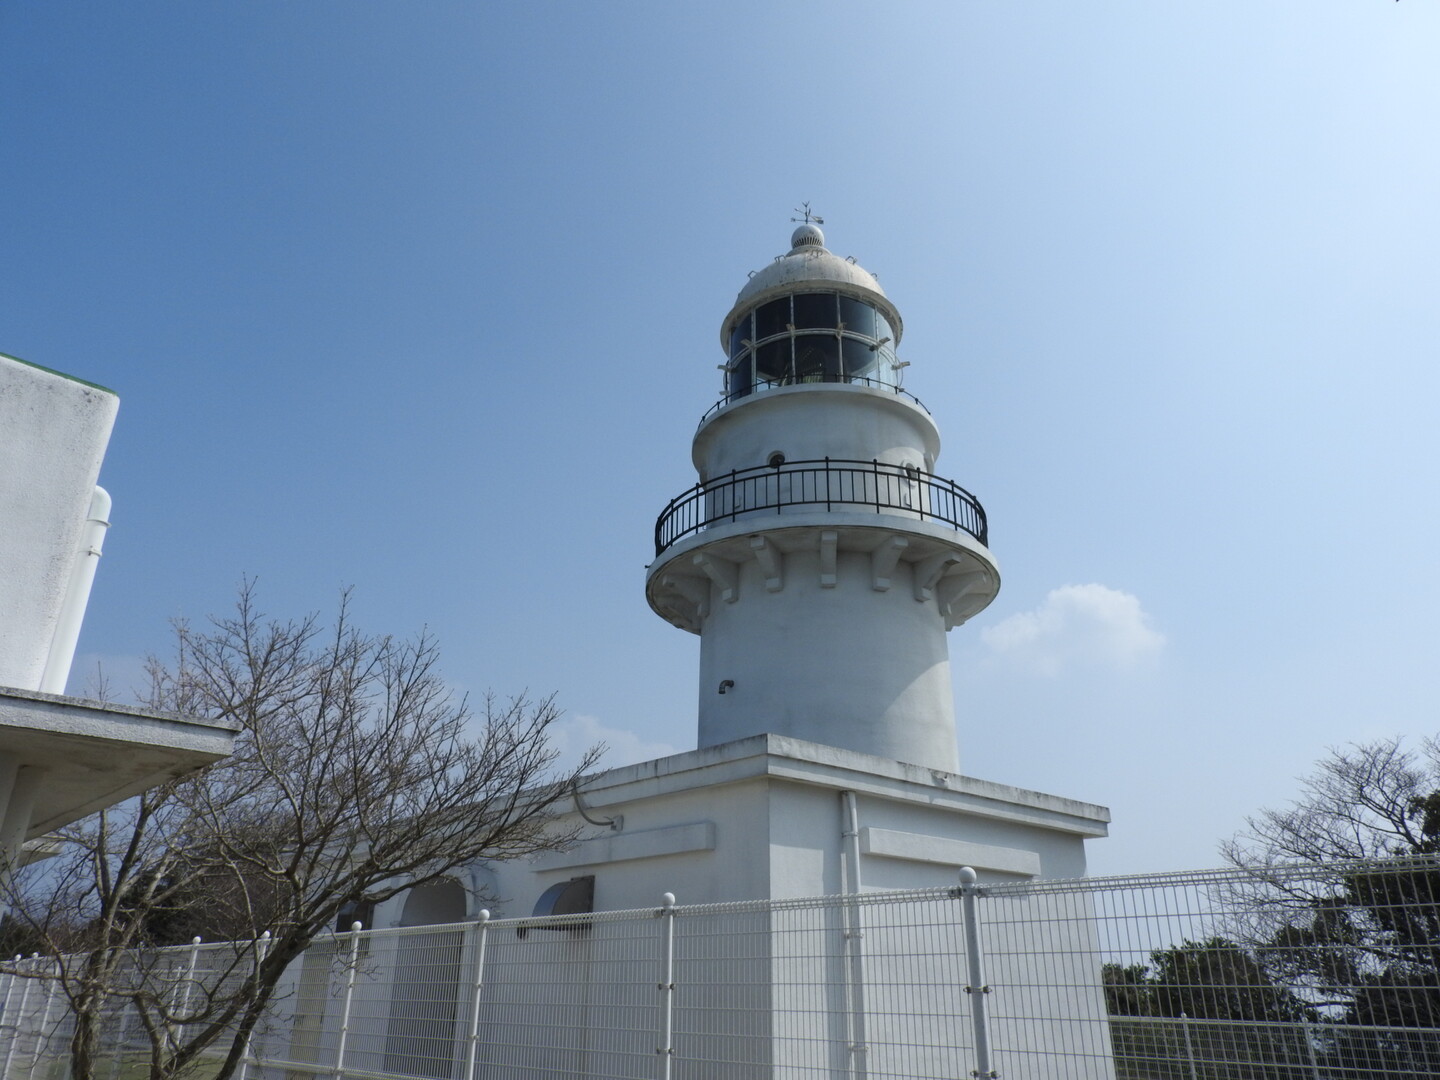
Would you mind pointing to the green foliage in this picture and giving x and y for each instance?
(1201, 1010)
(1359, 938)
(18, 938)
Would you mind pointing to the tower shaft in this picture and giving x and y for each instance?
(819, 558)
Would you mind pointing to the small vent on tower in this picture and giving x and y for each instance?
(807, 236)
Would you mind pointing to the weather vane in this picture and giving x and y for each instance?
(810, 217)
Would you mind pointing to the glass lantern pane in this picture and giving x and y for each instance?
(858, 316)
(741, 380)
(815, 311)
(883, 329)
(772, 318)
(739, 335)
(817, 358)
(861, 360)
(772, 362)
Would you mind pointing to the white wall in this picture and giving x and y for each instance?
(53, 433)
(843, 665)
(813, 421)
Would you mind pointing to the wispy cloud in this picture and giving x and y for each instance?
(576, 733)
(1076, 627)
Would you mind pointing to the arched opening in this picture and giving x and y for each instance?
(438, 902)
(425, 998)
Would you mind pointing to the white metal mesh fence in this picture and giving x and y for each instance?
(1316, 973)
(1325, 972)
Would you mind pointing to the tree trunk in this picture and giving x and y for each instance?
(85, 1040)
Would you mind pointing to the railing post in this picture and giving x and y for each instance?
(666, 1049)
(19, 1014)
(975, 972)
(875, 469)
(482, 933)
(827, 483)
(5, 1006)
(660, 523)
(855, 939)
(262, 949)
(184, 1003)
(352, 969)
(1189, 1047)
(41, 1040)
(1310, 1049)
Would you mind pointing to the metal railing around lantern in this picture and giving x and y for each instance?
(760, 386)
(831, 483)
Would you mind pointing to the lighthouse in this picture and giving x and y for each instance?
(821, 558)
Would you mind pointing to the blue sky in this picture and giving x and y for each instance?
(424, 298)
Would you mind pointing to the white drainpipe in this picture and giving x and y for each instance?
(855, 935)
(77, 595)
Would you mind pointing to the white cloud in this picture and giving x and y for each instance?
(576, 733)
(1076, 627)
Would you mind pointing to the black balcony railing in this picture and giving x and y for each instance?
(831, 483)
(763, 385)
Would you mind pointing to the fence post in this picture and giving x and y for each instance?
(122, 1033)
(262, 947)
(1189, 1047)
(190, 973)
(19, 1013)
(184, 1003)
(41, 1039)
(1310, 1049)
(482, 933)
(855, 939)
(5, 1007)
(352, 969)
(666, 1049)
(975, 972)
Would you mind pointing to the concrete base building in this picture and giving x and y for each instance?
(773, 817)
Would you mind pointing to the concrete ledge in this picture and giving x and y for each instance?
(649, 844)
(91, 754)
(916, 847)
(798, 761)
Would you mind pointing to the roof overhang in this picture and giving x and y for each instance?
(95, 754)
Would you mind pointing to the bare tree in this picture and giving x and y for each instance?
(1366, 801)
(357, 774)
(1343, 901)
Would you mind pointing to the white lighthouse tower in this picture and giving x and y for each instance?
(820, 558)
(821, 561)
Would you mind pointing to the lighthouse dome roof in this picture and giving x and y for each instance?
(810, 267)
(808, 260)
